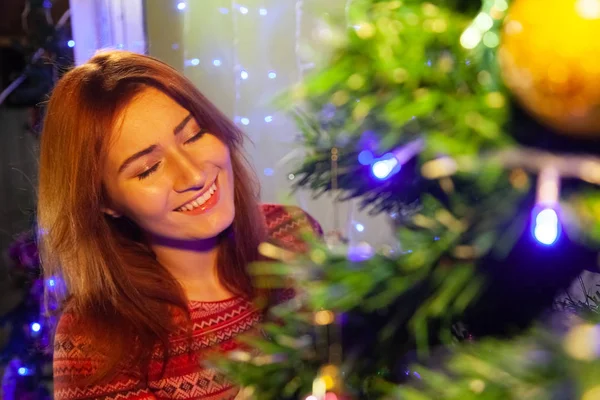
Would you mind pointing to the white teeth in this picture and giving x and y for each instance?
(199, 201)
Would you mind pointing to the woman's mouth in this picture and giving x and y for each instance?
(202, 203)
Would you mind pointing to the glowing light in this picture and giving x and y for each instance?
(470, 38)
(324, 317)
(245, 121)
(501, 5)
(244, 74)
(51, 282)
(244, 10)
(268, 119)
(319, 387)
(491, 39)
(484, 21)
(588, 9)
(224, 10)
(365, 157)
(71, 43)
(268, 171)
(195, 61)
(262, 11)
(385, 167)
(291, 177)
(272, 75)
(360, 227)
(23, 371)
(217, 63)
(546, 229)
(181, 6)
(35, 327)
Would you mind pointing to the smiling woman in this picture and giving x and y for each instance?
(150, 216)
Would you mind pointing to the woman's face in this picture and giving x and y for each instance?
(167, 173)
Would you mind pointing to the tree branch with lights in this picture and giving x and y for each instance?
(487, 119)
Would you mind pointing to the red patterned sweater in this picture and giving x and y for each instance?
(215, 327)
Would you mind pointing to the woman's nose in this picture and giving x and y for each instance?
(187, 175)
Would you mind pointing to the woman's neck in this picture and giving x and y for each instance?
(194, 265)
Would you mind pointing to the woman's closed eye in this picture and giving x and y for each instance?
(197, 136)
(153, 168)
(148, 172)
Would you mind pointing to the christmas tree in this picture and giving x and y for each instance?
(475, 127)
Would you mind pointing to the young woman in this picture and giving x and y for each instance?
(150, 216)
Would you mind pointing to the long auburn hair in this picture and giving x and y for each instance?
(111, 281)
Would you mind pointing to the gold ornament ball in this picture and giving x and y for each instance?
(550, 60)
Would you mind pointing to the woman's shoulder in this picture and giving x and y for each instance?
(288, 225)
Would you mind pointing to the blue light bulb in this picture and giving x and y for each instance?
(385, 167)
(36, 327)
(546, 227)
(365, 157)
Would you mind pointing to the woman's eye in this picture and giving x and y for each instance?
(196, 136)
(148, 172)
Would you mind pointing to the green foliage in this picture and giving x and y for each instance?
(402, 74)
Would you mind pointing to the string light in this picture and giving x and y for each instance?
(268, 119)
(71, 43)
(217, 63)
(23, 371)
(181, 6)
(360, 227)
(470, 38)
(224, 10)
(36, 327)
(262, 11)
(245, 121)
(194, 61)
(268, 171)
(51, 282)
(391, 163)
(244, 10)
(546, 225)
(244, 74)
(272, 75)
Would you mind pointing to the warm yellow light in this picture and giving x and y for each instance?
(581, 342)
(592, 393)
(477, 385)
(324, 317)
